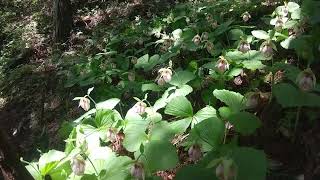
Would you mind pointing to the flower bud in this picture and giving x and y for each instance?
(140, 107)
(209, 17)
(220, 172)
(78, 166)
(237, 81)
(204, 36)
(214, 24)
(111, 134)
(278, 76)
(137, 171)
(103, 66)
(244, 46)
(196, 39)
(113, 65)
(246, 16)
(226, 170)
(209, 46)
(228, 125)
(266, 49)
(134, 60)
(195, 153)
(222, 65)
(253, 99)
(140, 42)
(306, 80)
(131, 76)
(84, 103)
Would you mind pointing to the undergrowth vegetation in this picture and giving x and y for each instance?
(182, 92)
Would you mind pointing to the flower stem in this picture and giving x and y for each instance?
(225, 134)
(93, 166)
(92, 100)
(297, 119)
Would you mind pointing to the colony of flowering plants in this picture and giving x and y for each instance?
(201, 78)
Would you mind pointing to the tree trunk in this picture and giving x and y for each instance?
(62, 20)
(10, 166)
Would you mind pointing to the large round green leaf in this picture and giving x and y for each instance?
(135, 132)
(108, 104)
(260, 34)
(234, 100)
(192, 172)
(251, 163)
(181, 78)
(161, 131)
(107, 164)
(180, 126)
(49, 160)
(159, 155)
(245, 123)
(179, 106)
(208, 133)
(289, 96)
(204, 113)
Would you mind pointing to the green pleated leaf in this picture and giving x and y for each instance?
(49, 161)
(235, 34)
(161, 131)
(292, 6)
(107, 164)
(179, 106)
(252, 55)
(135, 132)
(260, 34)
(194, 171)
(180, 126)
(209, 133)
(182, 77)
(204, 113)
(245, 123)
(251, 163)
(150, 87)
(253, 65)
(290, 96)
(159, 155)
(108, 104)
(234, 100)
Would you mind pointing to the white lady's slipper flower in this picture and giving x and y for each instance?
(140, 107)
(244, 47)
(196, 39)
(131, 76)
(226, 170)
(246, 17)
(253, 99)
(306, 80)
(266, 49)
(222, 65)
(204, 36)
(195, 153)
(137, 171)
(209, 46)
(166, 74)
(84, 103)
(78, 166)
